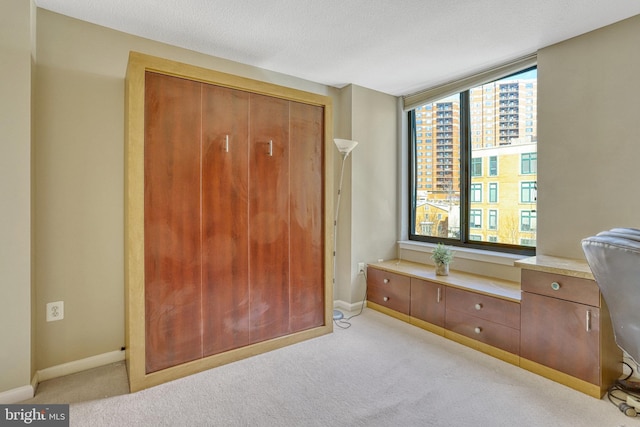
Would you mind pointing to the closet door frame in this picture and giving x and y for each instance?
(135, 351)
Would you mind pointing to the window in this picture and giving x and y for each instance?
(528, 221)
(529, 163)
(476, 192)
(493, 219)
(475, 218)
(476, 167)
(502, 143)
(528, 192)
(493, 192)
(493, 166)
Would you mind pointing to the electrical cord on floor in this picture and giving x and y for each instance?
(344, 322)
(619, 394)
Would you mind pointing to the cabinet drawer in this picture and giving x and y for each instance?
(496, 335)
(576, 289)
(389, 289)
(495, 310)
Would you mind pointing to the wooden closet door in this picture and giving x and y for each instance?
(172, 221)
(225, 237)
(306, 302)
(269, 217)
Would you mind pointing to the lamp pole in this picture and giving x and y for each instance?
(345, 147)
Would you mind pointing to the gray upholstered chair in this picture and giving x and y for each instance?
(614, 258)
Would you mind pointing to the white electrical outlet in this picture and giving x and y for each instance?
(55, 311)
(361, 267)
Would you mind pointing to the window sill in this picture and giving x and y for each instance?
(466, 253)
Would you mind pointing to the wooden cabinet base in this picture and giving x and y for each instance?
(498, 353)
(389, 312)
(434, 329)
(438, 330)
(592, 390)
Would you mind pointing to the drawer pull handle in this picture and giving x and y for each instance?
(555, 286)
(588, 321)
(477, 330)
(386, 280)
(478, 306)
(386, 299)
(439, 295)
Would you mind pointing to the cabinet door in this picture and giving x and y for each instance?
(225, 246)
(172, 221)
(269, 217)
(562, 335)
(307, 231)
(427, 301)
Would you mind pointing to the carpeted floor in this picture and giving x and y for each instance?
(379, 372)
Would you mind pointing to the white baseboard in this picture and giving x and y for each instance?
(27, 392)
(343, 305)
(80, 365)
(16, 395)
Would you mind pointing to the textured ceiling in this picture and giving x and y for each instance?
(393, 46)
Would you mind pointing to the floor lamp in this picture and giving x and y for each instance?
(345, 146)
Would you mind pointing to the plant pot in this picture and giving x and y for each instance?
(442, 269)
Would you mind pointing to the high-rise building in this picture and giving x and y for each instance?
(502, 112)
(438, 150)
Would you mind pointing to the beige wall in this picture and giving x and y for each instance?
(79, 174)
(368, 205)
(589, 137)
(15, 194)
(374, 188)
(343, 129)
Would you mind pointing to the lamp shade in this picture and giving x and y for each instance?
(345, 145)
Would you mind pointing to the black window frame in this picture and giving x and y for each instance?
(466, 230)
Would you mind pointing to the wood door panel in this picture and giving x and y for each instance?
(225, 248)
(172, 221)
(554, 334)
(269, 217)
(428, 301)
(306, 294)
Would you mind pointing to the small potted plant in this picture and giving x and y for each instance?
(442, 257)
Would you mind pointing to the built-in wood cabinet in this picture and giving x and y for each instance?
(566, 332)
(556, 325)
(477, 311)
(228, 216)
